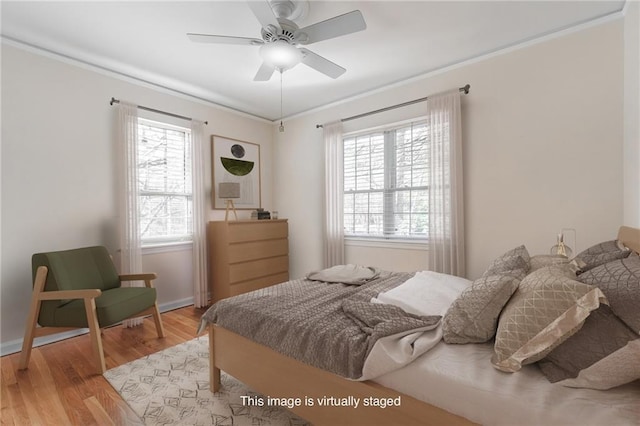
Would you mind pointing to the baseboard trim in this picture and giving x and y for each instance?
(14, 346)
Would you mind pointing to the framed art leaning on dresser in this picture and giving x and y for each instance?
(246, 255)
(235, 162)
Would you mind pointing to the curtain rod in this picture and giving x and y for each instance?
(464, 89)
(170, 114)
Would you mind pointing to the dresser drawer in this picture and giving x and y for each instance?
(242, 252)
(246, 255)
(258, 283)
(257, 230)
(245, 271)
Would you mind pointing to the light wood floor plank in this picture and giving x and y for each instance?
(46, 390)
(101, 416)
(61, 385)
(14, 410)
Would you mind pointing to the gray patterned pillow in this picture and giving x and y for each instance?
(546, 309)
(605, 353)
(602, 253)
(517, 258)
(620, 282)
(473, 316)
(542, 260)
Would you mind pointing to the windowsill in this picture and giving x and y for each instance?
(167, 247)
(386, 243)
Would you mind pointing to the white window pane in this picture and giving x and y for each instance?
(349, 203)
(389, 195)
(419, 177)
(377, 181)
(348, 224)
(363, 182)
(349, 182)
(401, 224)
(361, 223)
(420, 201)
(419, 224)
(361, 203)
(376, 203)
(402, 202)
(164, 182)
(403, 177)
(376, 223)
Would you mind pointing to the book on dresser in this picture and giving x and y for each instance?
(246, 255)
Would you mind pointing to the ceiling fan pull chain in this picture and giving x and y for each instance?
(281, 128)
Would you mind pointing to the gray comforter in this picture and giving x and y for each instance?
(329, 326)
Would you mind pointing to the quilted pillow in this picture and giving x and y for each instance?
(620, 282)
(601, 253)
(517, 258)
(546, 309)
(603, 354)
(473, 316)
(542, 260)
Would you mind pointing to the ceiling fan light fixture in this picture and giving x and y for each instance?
(280, 54)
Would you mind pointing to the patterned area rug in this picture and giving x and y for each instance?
(172, 387)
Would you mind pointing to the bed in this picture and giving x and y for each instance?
(445, 385)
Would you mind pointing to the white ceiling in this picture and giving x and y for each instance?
(146, 40)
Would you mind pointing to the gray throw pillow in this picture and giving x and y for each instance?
(603, 354)
(473, 316)
(542, 260)
(601, 253)
(517, 258)
(620, 282)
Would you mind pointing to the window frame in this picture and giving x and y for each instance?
(386, 239)
(169, 243)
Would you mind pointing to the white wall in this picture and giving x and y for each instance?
(542, 139)
(632, 114)
(59, 169)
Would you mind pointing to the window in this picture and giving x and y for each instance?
(386, 175)
(164, 183)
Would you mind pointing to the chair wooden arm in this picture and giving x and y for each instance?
(138, 277)
(69, 294)
(147, 278)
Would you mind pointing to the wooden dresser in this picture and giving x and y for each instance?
(246, 255)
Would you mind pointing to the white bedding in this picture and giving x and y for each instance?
(426, 293)
(461, 379)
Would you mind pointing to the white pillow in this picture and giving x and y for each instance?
(426, 293)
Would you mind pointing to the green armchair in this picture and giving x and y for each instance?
(81, 288)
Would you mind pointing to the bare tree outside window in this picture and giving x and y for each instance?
(164, 183)
(386, 175)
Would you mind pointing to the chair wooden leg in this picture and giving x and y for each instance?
(32, 319)
(94, 332)
(158, 320)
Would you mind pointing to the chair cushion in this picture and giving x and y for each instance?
(112, 306)
(83, 268)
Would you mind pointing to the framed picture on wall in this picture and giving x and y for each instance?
(235, 173)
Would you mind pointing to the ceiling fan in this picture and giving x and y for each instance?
(281, 37)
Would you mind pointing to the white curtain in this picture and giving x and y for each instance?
(446, 217)
(130, 255)
(200, 288)
(334, 219)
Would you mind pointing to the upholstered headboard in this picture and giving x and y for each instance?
(630, 237)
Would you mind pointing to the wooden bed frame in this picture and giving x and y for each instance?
(272, 374)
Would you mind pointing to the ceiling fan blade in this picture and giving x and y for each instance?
(209, 38)
(264, 13)
(338, 26)
(321, 64)
(264, 72)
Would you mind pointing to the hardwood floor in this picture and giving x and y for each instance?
(60, 387)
